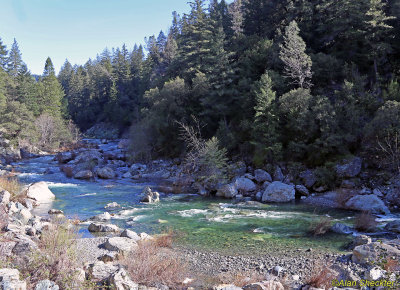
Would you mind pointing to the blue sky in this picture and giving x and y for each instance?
(79, 29)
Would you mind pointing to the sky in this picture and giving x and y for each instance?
(80, 29)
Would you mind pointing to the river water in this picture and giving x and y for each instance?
(216, 224)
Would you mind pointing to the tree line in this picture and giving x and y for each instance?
(272, 80)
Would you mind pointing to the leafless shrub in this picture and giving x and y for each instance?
(205, 159)
(365, 222)
(343, 195)
(13, 186)
(321, 226)
(321, 276)
(152, 265)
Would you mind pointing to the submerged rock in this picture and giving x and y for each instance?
(40, 192)
(279, 192)
(370, 203)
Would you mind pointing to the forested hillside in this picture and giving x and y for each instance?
(292, 80)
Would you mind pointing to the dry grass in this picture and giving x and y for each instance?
(165, 240)
(320, 227)
(68, 171)
(365, 222)
(152, 265)
(240, 279)
(322, 276)
(56, 259)
(13, 186)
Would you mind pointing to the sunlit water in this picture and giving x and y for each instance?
(201, 223)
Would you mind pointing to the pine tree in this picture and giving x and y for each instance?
(3, 56)
(265, 130)
(377, 31)
(297, 62)
(236, 14)
(14, 61)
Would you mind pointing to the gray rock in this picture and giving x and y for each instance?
(55, 211)
(121, 281)
(227, 191)
(262, 176)
(278, 175)
(374, 274)
(259, 196)
(226, 287)
(308, 177)
(370, 203)
(150, 196)
(340, 228)
(393, 226)
(64, 157)
(368, 253)
(120, 244)
(377, 192)
(101, 271)
(40, 192)
(101, 217)
(244, 185)
(46, 285)
(279, 192)
(4, 197)
(23, 215)
(302, 190)
(84, 174)
(9, 280)
(277, 270)
(103, 228)
(266, 285)
(106, 173)
(362, 240)
(349, 168)
(23, 246)
(131, 235)
(109, 257)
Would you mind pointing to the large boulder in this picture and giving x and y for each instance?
(262, 176)
(40, 192)
(279, 192)
(103, 228)
(278, 175)
(150, 196)
(131, 235)
(89, 158)
(227, 191)
(393, 226)
(101, 271)
(349, 168)
(120, 244)
(244, 185)
(308, 177)
(370, 203)
(374, 252)
(9, 280)
(46, 285)
(84, 174)
(64, 157)
(106, 173)
(120, 280)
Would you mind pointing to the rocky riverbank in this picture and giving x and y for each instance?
(100, 261)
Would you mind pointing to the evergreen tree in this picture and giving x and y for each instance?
(297, 62)
(265, 134)
(3, 56)
(14, 62)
